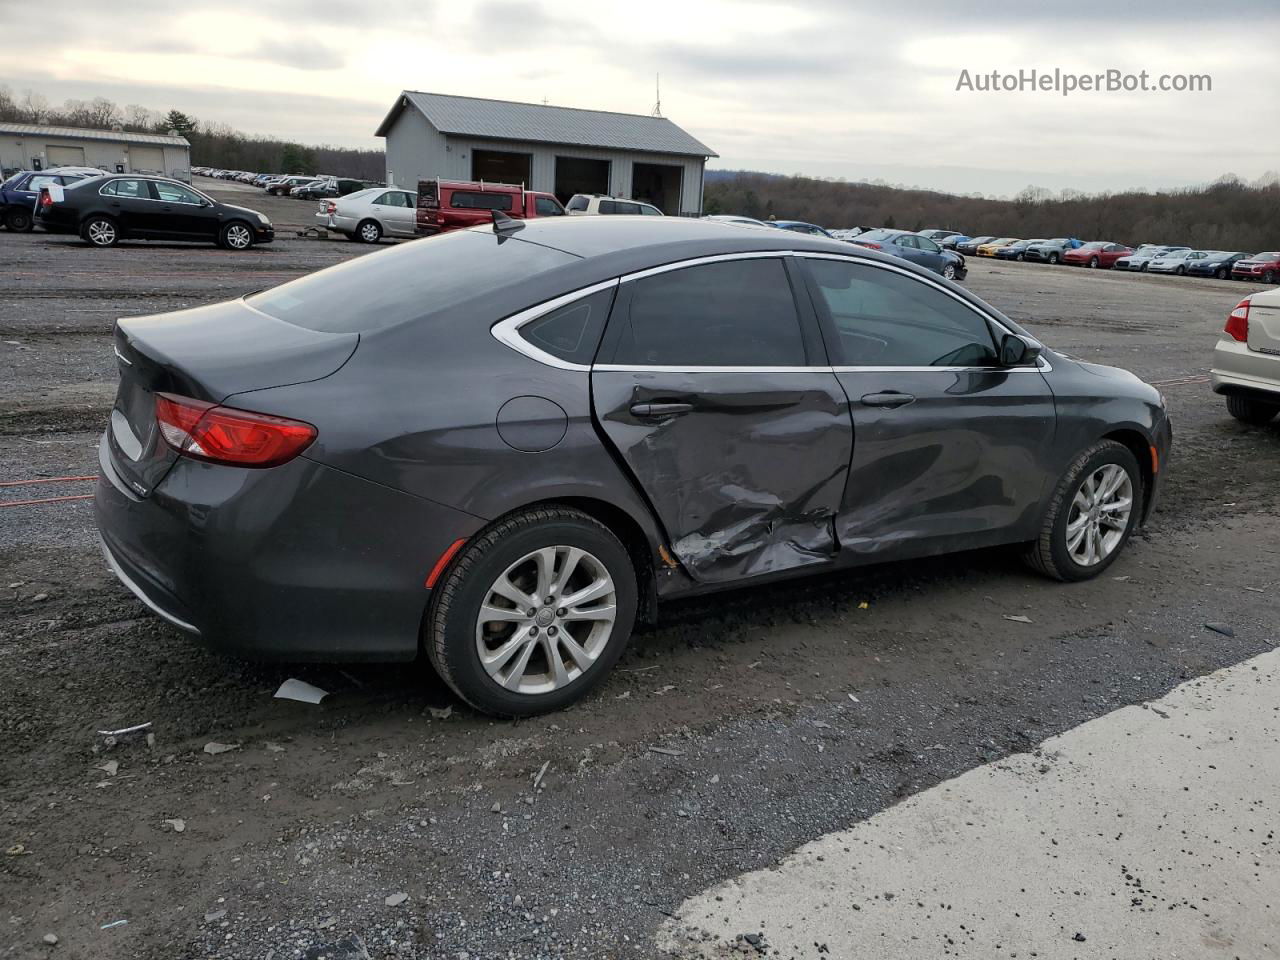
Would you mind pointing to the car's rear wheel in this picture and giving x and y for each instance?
(236, 235)
(533, 613)
(1090, 514)
(18, 220)
(369, 231)
(1054, 258)
(100, 232)
(1251, 410)
(949, 271)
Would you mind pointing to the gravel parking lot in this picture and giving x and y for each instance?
(737, 729)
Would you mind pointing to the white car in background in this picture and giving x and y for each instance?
(1246, 361)
(1175, 261)
(369, 215)
(596, 204)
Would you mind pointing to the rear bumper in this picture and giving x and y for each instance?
(297, 562)
(1237, 369)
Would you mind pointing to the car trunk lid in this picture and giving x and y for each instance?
(1264, 322)
(207, 354)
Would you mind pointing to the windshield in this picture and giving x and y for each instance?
(1095, 245)
(877, 235)
(1273, 255)
(406, 282)
(1176, 255)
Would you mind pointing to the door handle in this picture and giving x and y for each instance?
(654, 410)
(889, 398)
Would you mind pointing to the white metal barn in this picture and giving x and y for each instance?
(38, 146)
(560, 150)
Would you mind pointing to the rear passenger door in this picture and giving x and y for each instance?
(130, 203)
(713, 387)
(395, 209)
(950, 450)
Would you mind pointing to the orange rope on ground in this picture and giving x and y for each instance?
(24, 483)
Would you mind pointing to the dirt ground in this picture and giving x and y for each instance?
(779, 714)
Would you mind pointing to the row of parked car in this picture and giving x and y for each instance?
(300, 186)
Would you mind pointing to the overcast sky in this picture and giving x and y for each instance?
(832, 88)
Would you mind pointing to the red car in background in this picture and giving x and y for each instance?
(1261, 266)
(1100, 253)
(445, 205)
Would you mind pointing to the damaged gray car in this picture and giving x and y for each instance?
(501, 447)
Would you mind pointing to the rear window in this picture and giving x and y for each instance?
(405, 282)
(473, 200)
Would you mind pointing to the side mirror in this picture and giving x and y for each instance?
(1018, 351)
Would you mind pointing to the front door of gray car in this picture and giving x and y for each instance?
(719, 400)
(951, 450)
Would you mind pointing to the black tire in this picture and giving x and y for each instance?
(1093, 263)
(450, 638)
(1048, 553)
(369, 231)
(949, 271)
(236, 235)
(1269, 277)
(1220, 273)
(19, 220)
(1020, 257)
(1144, 268)
(1251, 410)
(1054, 258)
(100, 231)
(1181, 271)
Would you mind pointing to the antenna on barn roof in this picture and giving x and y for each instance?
(657, 91)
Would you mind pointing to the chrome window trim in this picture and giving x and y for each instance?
(508, 331)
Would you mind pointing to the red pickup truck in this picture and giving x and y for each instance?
(445, 205)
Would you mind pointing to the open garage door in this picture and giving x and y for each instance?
(580, 175)
(64, 156)
(498, 166)
(658, 184)
(146, 160)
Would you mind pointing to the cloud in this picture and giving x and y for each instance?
(299, 54)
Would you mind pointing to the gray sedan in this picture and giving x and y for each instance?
(369, 215)
(501, 447)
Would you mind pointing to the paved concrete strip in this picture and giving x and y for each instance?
(1147, 833)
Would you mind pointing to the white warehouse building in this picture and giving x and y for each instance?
(39, 146)
(560, 150)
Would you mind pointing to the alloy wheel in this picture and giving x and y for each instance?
(546, 620)
(1099, 514)
(102, 233)
(370, 233)
(238, 236)
(949, 271)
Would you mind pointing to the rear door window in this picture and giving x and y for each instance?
(883, 318)
(728, 314)
(619, 206)
(406, 282)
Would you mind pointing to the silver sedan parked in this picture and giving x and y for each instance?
(370, 215)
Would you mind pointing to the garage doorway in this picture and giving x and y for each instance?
(146, 159)
(580, 175)
(658, 184)
(64, 156)
(499, 166)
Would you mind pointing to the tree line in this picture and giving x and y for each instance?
(212, 144)
(1227, 214)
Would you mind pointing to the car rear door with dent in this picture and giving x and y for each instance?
(714, 389)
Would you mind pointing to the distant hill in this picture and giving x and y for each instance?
(1226, 214)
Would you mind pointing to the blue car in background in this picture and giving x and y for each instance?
(799, 226)
(18, 194)
(1216, 263)
(917, 249)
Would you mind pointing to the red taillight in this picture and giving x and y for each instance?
(46, 199)
(1237, 327)
(868, 243)
(225, 435)
(330, 207)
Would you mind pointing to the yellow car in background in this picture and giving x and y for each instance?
(989, 249)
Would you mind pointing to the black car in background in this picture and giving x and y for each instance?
(502, 446)
(105, 210)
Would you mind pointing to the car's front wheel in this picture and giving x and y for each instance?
(1220, 273)
(1054, 258)
(236, 235)
(369, 231)
(1090, 514)
(1181, 271)
(1251, 410)
(1093, 262)
(533, 613)
(949, 271)
(1269, 277)
(100, 232)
